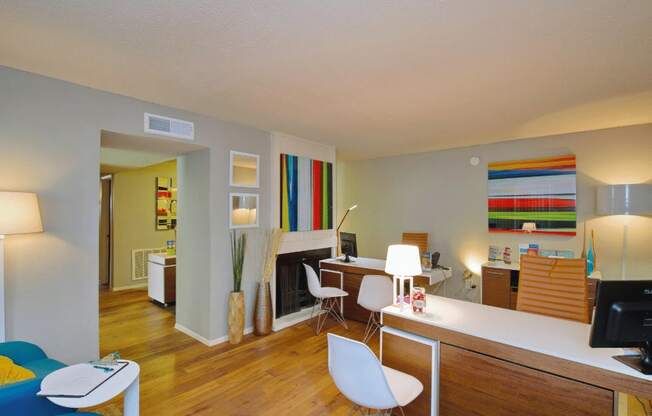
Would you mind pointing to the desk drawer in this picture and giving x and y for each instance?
(477, 384)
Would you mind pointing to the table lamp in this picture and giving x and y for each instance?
(403, 262)
(19, 214)
(627, 199)
(529, 227)
(338, 250)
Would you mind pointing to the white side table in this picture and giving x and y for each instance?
(126, 380)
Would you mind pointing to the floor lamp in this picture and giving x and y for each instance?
(626, 199)
(19, 214)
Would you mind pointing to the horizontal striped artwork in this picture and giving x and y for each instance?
(542, 191)
(306, 194)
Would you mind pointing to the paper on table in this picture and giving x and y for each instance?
(78, 380)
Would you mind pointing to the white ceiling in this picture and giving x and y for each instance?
(373, 77)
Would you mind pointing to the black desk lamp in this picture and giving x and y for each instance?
(338, 252)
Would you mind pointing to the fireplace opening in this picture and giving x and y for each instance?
(292, 293)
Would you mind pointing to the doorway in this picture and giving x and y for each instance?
(105, 230)
(138, 219)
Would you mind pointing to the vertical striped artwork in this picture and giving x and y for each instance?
(542, 191)
(306, 194)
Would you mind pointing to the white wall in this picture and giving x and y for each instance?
(50, 141)
(441, 193)
(194, 243)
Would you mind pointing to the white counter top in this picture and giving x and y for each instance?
(499, 264)
(161, 258)
(559, 338)
(435, 275)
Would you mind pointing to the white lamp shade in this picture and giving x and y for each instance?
(403, 260)
(624, 199)
(529, 226)
(19, 213)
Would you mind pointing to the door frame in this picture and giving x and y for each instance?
(109, 177)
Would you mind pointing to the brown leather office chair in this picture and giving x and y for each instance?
(554, 287)
(416, 239)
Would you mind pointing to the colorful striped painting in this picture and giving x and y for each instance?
(306, 194)
(542, 191)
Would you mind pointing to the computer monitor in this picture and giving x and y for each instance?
(623, 318)
(349, 245)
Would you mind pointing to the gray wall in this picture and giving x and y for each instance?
(441, 193)
(50, 138)
(193, 241)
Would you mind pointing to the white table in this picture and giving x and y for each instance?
(127, 381)
(501, 342)
(435, 276)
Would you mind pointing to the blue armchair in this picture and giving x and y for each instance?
(20, 398)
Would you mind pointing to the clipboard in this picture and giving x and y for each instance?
(87, 375)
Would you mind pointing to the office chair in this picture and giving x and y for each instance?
(554, 287)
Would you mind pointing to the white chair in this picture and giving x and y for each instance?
(375, 293)
(360, 377)
(328, 299)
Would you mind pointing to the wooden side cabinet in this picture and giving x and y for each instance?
(162, 279)
(496, 288)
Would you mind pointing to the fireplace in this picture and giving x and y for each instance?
(292, 293)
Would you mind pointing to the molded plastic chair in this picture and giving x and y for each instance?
(328, 299)
(360, 377)
(375, 293)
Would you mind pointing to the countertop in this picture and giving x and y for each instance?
(559, 338)
(435, 275)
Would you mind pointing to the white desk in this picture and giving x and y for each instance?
(534, 346)
(349, 276)
(127, 381)
(434, 276)
(499, 264)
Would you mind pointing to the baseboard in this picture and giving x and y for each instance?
(138, 286)
(205, 341)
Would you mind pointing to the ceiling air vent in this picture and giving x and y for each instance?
(167, 126)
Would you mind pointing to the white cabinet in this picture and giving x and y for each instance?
(162, 278)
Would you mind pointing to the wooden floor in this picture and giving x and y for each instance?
(285, 373)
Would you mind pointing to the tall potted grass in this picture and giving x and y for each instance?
(263, 305)
(236, 298)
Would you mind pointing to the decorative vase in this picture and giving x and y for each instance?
(263, 310)
(590, 259)
(236, 317)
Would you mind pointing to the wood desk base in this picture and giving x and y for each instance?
(476, 384)
(352, 275)
(480, 377)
